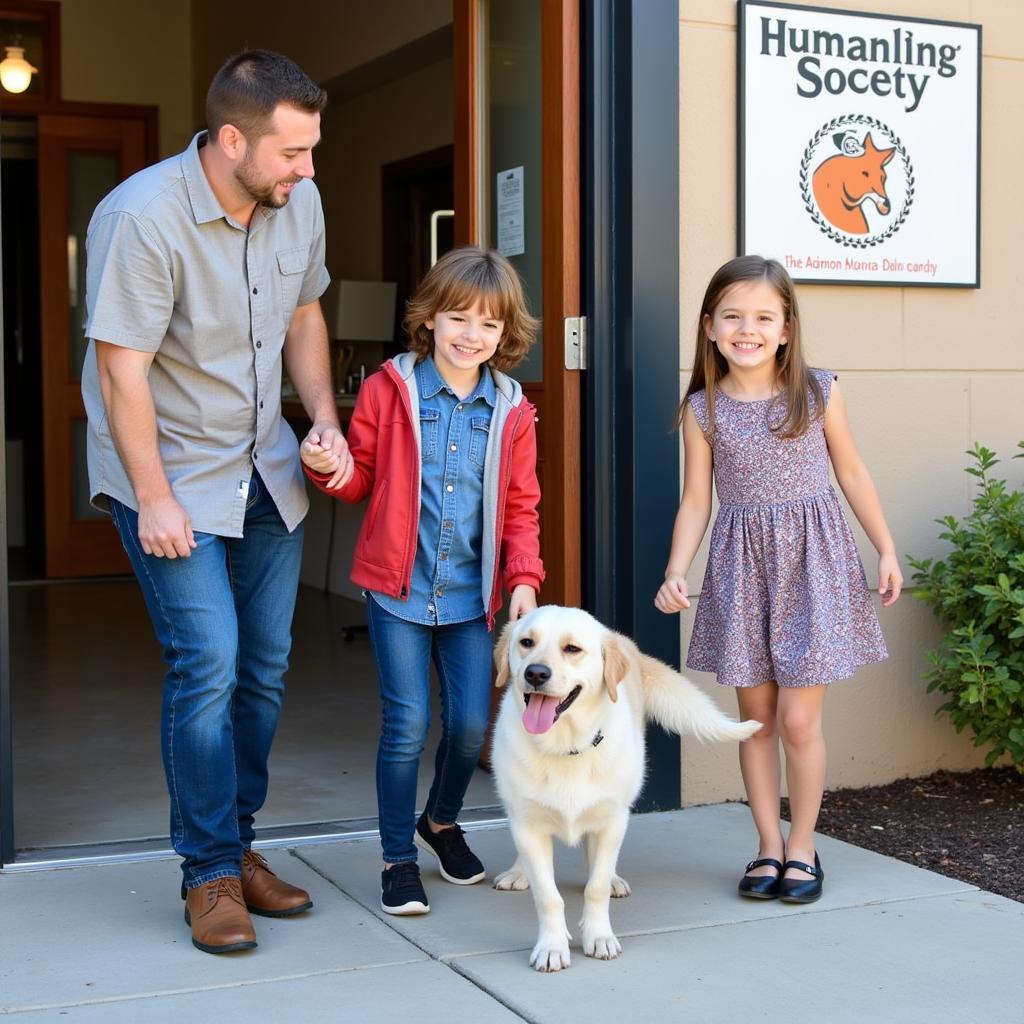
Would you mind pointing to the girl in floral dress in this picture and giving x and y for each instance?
(784, 609)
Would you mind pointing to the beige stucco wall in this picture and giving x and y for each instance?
(131, 51)
(925, 371)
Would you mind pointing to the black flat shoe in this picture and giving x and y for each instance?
(801, 890)
(761, 887)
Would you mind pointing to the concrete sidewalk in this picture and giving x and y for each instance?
(888, 943)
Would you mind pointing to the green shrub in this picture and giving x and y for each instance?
(977, 592)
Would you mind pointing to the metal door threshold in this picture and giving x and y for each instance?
(131, 851)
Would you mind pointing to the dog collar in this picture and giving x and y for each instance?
(594, 742)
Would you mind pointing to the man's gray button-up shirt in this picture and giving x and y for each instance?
(169, 272)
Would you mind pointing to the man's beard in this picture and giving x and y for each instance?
(258, 189)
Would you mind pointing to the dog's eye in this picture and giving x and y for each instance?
(572, 649)
(526, 642)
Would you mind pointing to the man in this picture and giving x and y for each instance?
(203, 272)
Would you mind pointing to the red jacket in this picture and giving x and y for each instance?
(384, 440)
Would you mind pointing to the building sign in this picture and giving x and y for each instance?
(859, 145)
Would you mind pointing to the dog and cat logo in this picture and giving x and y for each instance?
(857, 181)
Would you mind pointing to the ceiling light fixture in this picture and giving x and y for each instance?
(16, 72)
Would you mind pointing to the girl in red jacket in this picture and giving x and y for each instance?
(444, 444)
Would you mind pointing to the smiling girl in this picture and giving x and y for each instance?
(784, 609)
(444, 444)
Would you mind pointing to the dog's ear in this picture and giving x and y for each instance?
(616, 663)
(501, 655)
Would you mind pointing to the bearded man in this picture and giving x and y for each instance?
(204, 275)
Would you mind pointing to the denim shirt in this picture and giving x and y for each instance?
(447, 574)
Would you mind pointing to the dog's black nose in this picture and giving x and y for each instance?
(537, 675)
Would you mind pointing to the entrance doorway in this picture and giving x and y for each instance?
(85, 682)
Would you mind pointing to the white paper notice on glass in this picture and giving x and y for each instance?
(511, 220)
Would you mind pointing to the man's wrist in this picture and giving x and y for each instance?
(327, 419)
(154, 494)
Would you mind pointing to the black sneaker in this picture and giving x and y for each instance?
(456, 860)
(402, 891)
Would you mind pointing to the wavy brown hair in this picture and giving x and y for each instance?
(794, 379)
(457, 280)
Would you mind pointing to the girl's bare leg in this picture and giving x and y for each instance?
(800, 726)
(759, 765)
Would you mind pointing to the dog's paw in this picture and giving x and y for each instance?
(513, 880)
(548, 957)
(601, 944)
(620, 887)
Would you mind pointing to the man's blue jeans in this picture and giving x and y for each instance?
(462, 657)
(223, 616)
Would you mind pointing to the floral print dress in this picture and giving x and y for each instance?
(784, 597)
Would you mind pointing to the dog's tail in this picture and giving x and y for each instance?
(677, 705)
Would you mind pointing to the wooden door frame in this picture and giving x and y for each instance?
(73, 548)
(146, 113)
(561, 254)
(560, 162)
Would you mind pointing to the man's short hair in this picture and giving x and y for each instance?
(249, 87)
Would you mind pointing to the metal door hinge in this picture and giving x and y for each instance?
(575, 342)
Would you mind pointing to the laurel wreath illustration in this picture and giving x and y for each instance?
(805, 188)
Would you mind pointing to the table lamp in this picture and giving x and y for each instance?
(358, 312)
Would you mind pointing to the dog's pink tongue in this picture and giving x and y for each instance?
(540, 713)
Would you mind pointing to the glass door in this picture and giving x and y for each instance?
(80, 160)
(517, 190)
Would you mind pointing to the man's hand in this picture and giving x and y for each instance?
(325, 450)
(165, 529)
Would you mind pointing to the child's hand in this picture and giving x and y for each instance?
(524, 600)
(318, 458)
(672, 595)
(325, 450)
(890, 579)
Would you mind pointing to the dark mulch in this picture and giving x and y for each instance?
(965, 825)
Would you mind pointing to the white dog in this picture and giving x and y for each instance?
(568, 758)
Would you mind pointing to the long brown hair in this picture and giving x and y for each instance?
(461, 277)
(792, 374)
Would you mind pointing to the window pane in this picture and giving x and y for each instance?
(513, 141)
(90, 177)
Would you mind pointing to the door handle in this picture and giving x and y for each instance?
(434, 218)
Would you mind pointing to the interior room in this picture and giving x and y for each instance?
(86, 671)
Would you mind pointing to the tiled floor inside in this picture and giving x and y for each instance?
(86, 682)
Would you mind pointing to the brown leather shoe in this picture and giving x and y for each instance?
(265, 894)
(216, 911)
